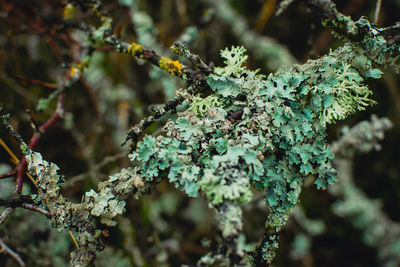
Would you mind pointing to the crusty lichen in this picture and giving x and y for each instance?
(173, 67)
(134, 49)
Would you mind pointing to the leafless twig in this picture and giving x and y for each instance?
(15, 256)
(377, 11)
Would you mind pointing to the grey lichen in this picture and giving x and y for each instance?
(109, 201)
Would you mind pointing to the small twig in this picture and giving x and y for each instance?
(36, 82)
(15, 160)
(25, 202)
(11, 131)
(15, 256)
(34, 124)
(135, 132)
(37, 209)
(347, 28)
(181, 50)
(266, 12)
(5, 214)
(8, 174)
(377, 11)
(95, 169)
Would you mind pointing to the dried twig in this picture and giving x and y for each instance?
(9, 251)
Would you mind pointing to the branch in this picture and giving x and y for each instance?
(8, 174)
(343, 26)
(25, 202)
(15, 256)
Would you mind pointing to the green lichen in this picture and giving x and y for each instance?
(235, 59)
(276, 141)
(200, 106)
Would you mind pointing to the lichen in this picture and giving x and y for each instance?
(69, 12)
(134, 49)
(277, 140)
(200, 106)
(173, 67)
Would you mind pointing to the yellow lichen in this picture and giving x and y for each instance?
(171, 66)
(79, 68)
(134, 48)
(69, 12)
(73, 71)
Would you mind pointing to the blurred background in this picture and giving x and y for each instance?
(167, 228)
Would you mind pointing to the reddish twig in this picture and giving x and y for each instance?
(50, 122)
(35, 125)
(27, 81)
(34, 140)
(8, 174)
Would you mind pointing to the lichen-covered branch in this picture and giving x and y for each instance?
(343, 26)
(240, 132)
(277, 136)
(379, 231)
(106, 204)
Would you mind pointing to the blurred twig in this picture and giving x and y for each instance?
(15, 256)
(94, 169)
(377, 11)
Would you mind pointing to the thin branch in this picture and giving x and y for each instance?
(135, 132)
(8, 174)
(36, 82)
(9, 251)
(346, 28)
(377, 11)
(94, 169)
(25, 202)
(5, 214)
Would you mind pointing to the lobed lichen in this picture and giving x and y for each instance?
(200, 106)
(268, 133)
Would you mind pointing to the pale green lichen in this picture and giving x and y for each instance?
(235, 58)
(200, 106)
(268, 134)
(346, 93)
(276, 141)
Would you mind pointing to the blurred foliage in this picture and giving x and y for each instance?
(166, 227)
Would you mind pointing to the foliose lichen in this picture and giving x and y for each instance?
(275, 139)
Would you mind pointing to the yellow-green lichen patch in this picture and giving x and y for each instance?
(69, 12)
(134, 49)
(171, 66)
